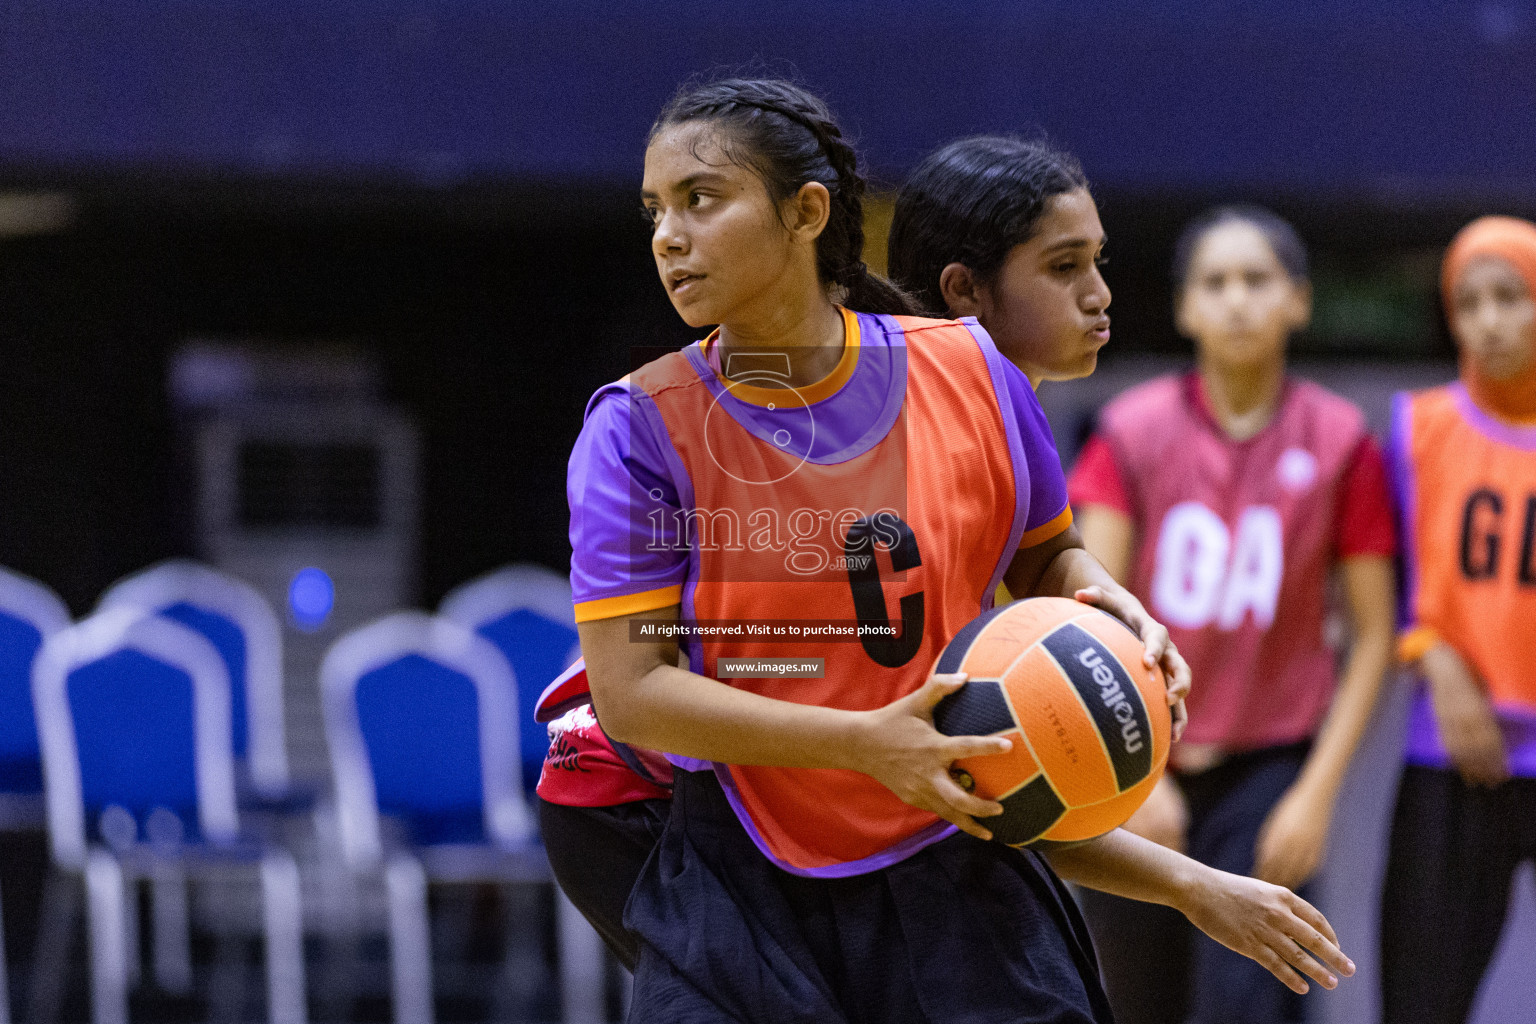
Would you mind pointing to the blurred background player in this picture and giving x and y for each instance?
(1464, 464)
(1225, 498)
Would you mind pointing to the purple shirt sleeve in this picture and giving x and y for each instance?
(623, 498)
(1047, 483)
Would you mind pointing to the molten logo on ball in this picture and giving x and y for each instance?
(1088, 720)
(1113, 696)
(1102, 683)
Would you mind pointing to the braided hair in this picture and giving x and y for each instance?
(788, 138)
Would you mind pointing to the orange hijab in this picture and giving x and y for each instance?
(1513, 240)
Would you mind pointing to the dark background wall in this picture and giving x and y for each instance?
(1405, 96)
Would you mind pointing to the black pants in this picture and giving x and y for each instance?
(1454, 849)
(1158, 968)
(961, 932)
(596, 854)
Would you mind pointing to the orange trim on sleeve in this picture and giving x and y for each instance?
(629, 604)
(1415, 643)
(1045, 531)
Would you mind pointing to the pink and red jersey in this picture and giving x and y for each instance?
(1235, 541)
(861, 521)
(585, 768)
(1466, 487)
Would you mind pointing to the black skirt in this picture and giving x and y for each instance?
(962, 932)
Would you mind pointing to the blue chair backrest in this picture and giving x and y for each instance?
(525, 610)
(133, 714)
(419, 716)
(29, 613)
(420, 721)
(134, 729)
(245, 632)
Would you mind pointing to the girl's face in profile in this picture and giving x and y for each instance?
(1493, 318)
(1238, 303)
(1047, 307)
(720, 243)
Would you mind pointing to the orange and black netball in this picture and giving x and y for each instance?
(1089, 721)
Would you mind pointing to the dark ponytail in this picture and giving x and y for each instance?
(971, 202)
(788, 138)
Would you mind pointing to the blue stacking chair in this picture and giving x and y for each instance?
(421, 719)
(133, 713)
(245, 631)
(525, 610)
(29, 614)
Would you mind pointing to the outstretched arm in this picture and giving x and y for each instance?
(1267, 923)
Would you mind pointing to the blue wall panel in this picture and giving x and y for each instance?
(1312, 93)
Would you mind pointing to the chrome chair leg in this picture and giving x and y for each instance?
(410, 940)
(170, 927)
(108, 918)
(582, 987)
(282, 911)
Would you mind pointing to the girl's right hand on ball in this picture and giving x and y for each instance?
(898, 747)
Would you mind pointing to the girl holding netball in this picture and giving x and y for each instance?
(1226, 497)
(810, 867)
(1464, 464)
